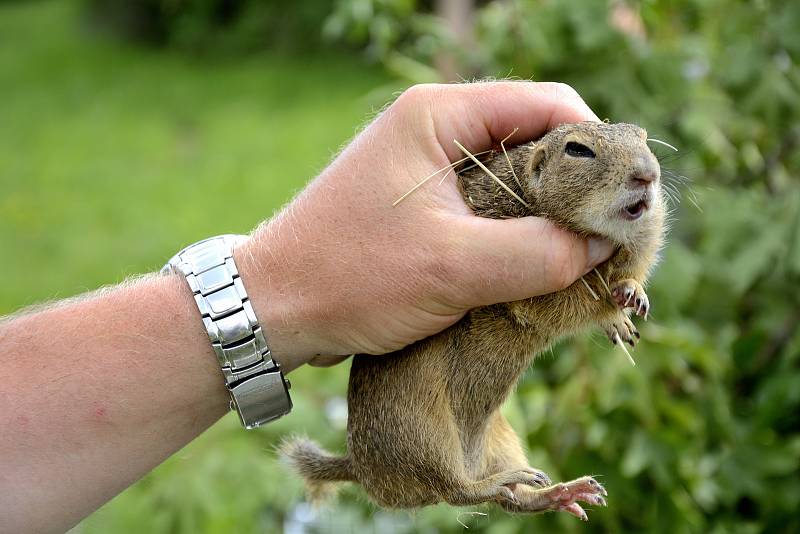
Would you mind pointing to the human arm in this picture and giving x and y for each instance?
(97, 391)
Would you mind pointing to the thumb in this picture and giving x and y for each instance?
(513, 259)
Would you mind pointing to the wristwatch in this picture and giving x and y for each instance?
(259, 392)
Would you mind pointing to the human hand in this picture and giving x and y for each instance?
(341, 271)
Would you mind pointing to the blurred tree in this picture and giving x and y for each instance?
(215, 26)
(458, 17)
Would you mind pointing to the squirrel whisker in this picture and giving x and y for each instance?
(660, 142)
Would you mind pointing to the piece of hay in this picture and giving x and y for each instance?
(447, 168)
(491, 174)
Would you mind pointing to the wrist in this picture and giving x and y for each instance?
(202, 370)
(277, 303)
(259, 392)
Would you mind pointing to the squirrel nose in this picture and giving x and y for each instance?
(646, 172)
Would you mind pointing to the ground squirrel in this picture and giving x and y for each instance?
(424, 423)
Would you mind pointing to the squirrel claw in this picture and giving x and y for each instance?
(576, 510)
(541, 476)
(629, 293)
(508, 495)
(622, 330)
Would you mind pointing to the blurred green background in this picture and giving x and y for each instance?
(128, 128)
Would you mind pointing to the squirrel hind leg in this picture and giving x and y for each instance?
(494, 488)
(318, 467)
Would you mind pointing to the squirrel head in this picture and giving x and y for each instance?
(597, 178)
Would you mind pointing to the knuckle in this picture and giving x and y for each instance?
(417, 95)
(563, 92)
(566, 91)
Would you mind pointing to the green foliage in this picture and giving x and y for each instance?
(206, 26)
(402, 34)
(703, 435)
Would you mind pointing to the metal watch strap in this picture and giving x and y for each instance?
(259, 392)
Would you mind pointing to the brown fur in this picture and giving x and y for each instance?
(424, 423)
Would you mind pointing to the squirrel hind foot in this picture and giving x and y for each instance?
(562, 497)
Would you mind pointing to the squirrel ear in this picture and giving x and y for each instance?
(537, 158)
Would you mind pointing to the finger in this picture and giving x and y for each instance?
(513, 259)
(327, 361)
(479, 114)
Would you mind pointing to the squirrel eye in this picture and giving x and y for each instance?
(578, 150)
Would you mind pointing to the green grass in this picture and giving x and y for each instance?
(112, 157)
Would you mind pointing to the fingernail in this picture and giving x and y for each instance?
(599, 251)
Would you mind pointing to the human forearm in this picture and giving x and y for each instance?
(95, 393)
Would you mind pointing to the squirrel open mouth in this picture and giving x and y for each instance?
(635, 210)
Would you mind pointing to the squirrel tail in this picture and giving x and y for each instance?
(318, 467)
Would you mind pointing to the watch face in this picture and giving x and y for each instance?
(231, 240)
(234, 240)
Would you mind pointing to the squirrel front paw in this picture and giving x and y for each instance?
(629, 293)
(621, 329)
